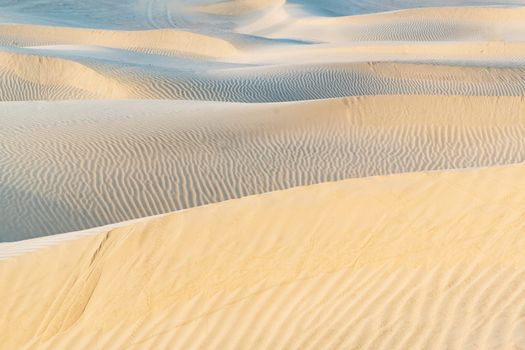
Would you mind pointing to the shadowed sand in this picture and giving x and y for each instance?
(159, 156)
(424, 260)
(269, 51)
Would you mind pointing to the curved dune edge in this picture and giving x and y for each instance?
(238, 7)
(405, 261)
(462, 13)
(45, 71)
(167, 40)
(30, 77)
(483, 51)
(461, 51)
(207, 152)
(417, 24)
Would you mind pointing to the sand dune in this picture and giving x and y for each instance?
(276, 54)
(435, 24)
(427, 260)
(41, 77)
(262, 174)
(238, 7)
(147, 14)
(27, 77)
(161, 156)
(335, 8)
(161, 41)
(470, 54)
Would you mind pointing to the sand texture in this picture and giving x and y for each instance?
(423, 260)
(162, 156)
(264, 51)
(262, 174)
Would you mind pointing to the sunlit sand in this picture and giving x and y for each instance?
(262, 174)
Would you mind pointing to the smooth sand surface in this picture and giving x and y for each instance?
(162, 40)
(113, 161)
(238, 7)
(435, 24)
(423, 260)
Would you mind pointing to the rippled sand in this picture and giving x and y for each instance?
(422, 260)
(262, 174)
(136, 159)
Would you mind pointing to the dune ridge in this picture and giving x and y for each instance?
(363, 263)
(262, 174)
(238, 7)
(287, 58)
(475, 53)
(162, 40)
(162, 156)
(43, 77)
(39, 76)
(419, 25)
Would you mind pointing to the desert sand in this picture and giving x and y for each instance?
(422, 260)
(262, 174)
(275, 52)
(159, 156)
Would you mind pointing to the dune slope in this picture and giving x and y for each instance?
(162, 40)
(161, 156)
(268, 51)
(425, 260)
(262, 174)
(33, 75)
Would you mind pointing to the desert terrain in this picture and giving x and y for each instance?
(262, 174)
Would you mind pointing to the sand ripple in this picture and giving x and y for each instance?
(262, 174)
(157, 157)
(426, 260)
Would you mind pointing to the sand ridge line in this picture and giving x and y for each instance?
(174, 155)
(391, 260)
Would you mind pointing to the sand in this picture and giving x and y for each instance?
(262, 174)
(238, 7)
(270, 48)
(162, 40)
(423, 260)
(162, 156)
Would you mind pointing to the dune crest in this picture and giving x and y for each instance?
(412, 254)
(411, 25)
(30, 77)
(262, 174)
(208, 152)
(283, 54)
(238, 7)
(45, 73)
(161, 40)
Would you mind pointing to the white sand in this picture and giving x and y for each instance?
(270, 48)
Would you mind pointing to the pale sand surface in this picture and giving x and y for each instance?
(265, 51)
(262, 174)
(30, 77)
(96, 163)
(147, 14)
(422, 260)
